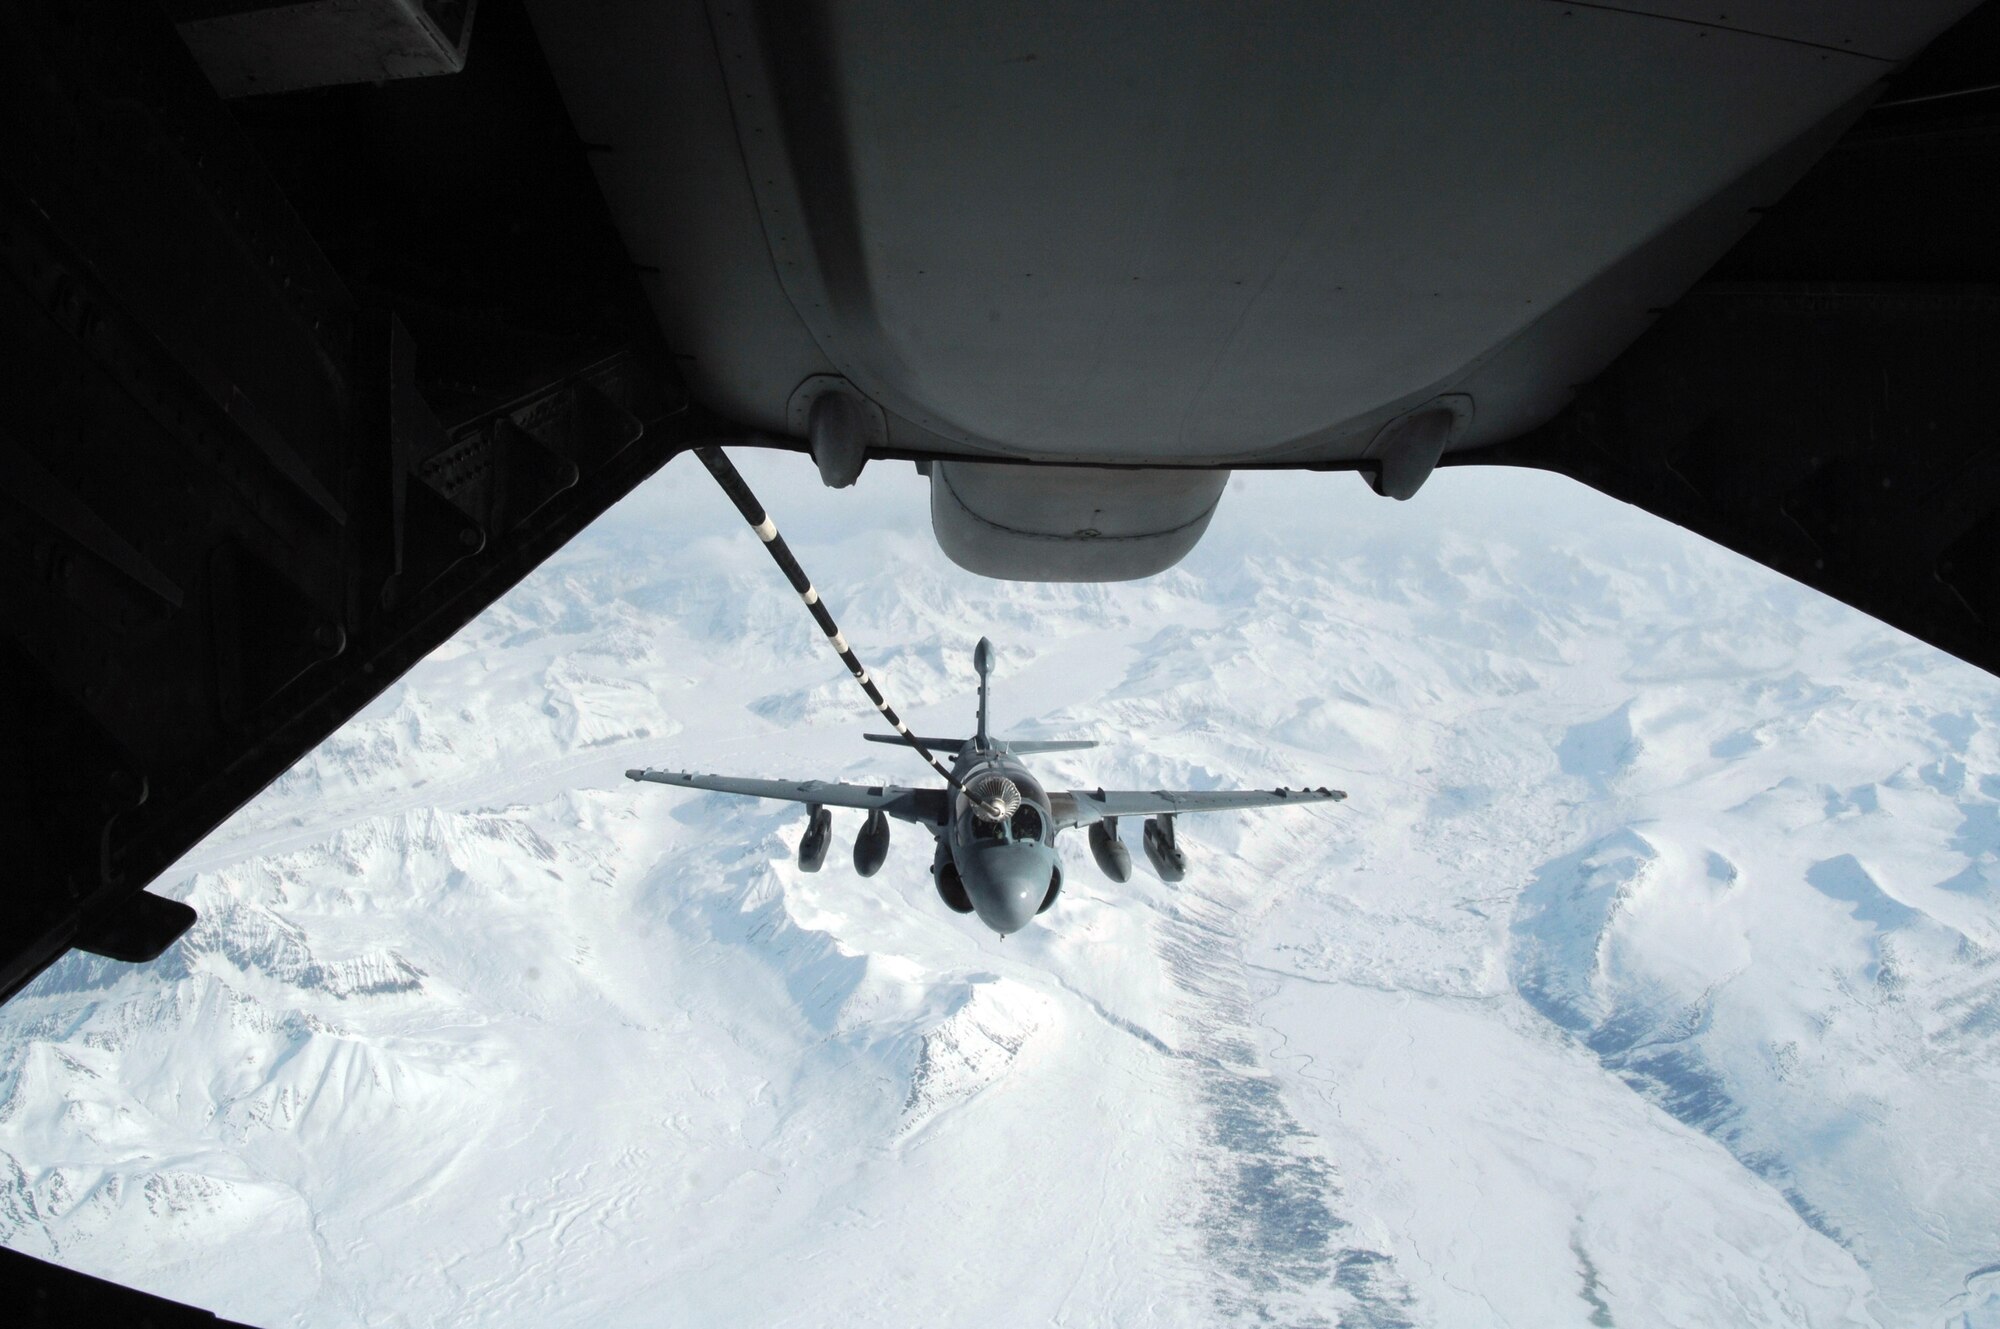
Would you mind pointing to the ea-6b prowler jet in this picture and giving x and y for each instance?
(996, 830)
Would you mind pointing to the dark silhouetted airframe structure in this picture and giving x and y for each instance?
(326, 324)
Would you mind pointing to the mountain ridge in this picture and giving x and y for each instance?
(1647, 977)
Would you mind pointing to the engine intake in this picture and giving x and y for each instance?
(950, 887)
(1055, 889)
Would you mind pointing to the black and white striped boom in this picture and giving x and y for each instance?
(733, 484)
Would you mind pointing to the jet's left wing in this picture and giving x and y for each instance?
(920, 805)
(1081, 807)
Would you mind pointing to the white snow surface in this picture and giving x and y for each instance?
(1647, 978)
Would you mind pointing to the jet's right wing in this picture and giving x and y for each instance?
(1081, 807)
(928, 806)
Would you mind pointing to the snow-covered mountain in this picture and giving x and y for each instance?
(1650, 976)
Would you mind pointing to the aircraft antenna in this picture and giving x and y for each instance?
(733, 484)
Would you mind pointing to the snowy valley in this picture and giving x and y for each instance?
(1649, 976)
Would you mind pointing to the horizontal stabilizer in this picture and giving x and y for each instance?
(928, 744)
(1019, 747)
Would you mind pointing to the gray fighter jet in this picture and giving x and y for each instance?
(996, 831)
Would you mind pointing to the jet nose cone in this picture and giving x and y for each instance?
(1015, 886)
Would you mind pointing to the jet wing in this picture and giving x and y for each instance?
(920, 805)
(1081, 807)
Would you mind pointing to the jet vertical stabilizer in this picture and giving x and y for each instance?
(982, 660)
